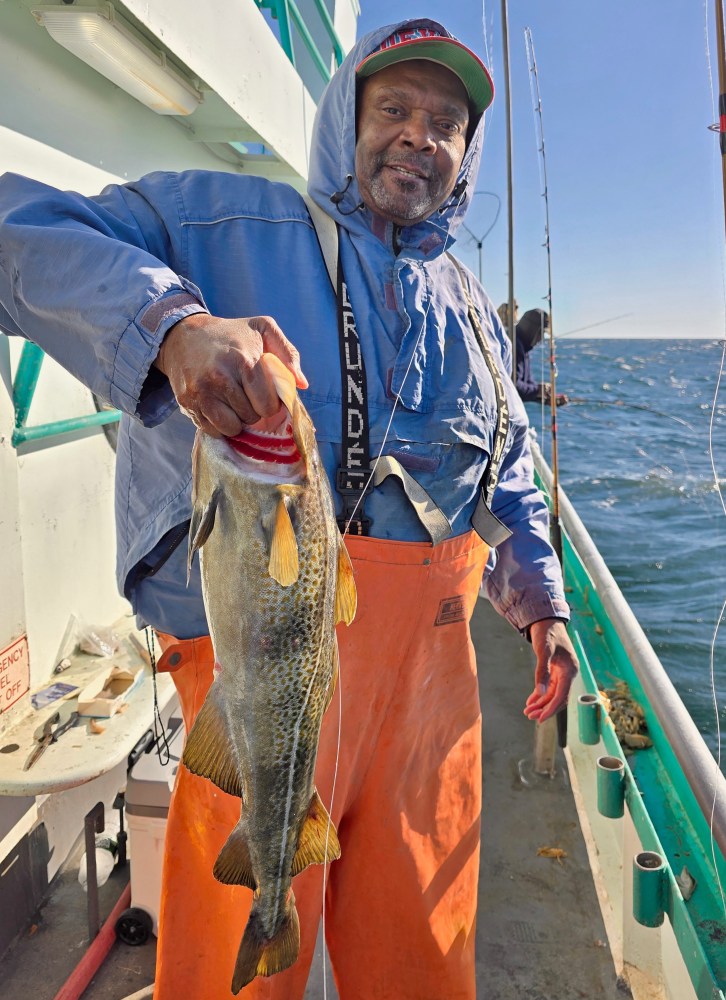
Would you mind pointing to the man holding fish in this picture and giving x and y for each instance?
(206, 296)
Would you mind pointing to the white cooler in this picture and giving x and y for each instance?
(148, 791)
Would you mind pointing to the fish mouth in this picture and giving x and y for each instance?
(268, 448)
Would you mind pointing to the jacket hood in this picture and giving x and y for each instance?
(332, 160)
(531, 327)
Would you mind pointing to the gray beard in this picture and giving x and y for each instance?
(402, 204)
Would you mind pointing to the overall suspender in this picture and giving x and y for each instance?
(352, 478)
(486, 524)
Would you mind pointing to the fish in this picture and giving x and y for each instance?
(276, 579)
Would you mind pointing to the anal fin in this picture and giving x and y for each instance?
(234, 865)
(318, 842)
(262, 956)
(209, 751)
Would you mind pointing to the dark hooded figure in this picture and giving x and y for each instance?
(529, 332)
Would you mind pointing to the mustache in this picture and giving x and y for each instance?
(414, 162)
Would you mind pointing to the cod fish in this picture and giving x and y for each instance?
(276, 579)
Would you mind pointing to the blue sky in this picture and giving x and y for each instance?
(636, 208)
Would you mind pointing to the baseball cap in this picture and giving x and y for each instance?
(428, 43)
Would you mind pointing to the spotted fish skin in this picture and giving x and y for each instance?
(276, 578)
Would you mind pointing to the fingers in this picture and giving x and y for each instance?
(556, 669)
(221, 421)
(546, 700)
(213, 365)
(275, 342)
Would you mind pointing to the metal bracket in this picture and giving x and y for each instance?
(23, 389)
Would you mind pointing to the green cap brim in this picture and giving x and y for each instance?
(446, 52)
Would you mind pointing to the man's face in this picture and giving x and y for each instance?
(412, 122)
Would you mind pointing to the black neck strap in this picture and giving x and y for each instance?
(352, 478)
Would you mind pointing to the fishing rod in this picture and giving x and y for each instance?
(510, 187)
(555, 531)
(543, 745)
(721, 127)
(721, 50)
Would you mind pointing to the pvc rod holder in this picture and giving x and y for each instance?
(611, 787)
(588, 719)
(649, 888)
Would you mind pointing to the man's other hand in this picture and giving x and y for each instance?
(560, 398)
(213, 366)
(555, 670)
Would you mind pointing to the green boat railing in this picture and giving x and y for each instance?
(675, 791)
(287, 13)
(24, 384)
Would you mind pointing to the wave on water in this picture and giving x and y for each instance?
(634, 460)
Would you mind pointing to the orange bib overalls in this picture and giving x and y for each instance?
(401, 901)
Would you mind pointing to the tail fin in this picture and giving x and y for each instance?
(262, 956)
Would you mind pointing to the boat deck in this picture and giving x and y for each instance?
(539, 934)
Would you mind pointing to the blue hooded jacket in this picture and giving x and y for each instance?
(130, 263)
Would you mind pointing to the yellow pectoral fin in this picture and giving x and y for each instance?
(283, 565)
(318, 838)
(200, 526)
(346, 595)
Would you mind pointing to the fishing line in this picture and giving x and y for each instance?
(369, 480)
(397, 397)
(386, 434)
(590, 326)
(712, 665)
(326, 865)
(712, 658)
(539, 133)
(583, 401)
(160, 739)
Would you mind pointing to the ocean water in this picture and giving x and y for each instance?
(635, 461)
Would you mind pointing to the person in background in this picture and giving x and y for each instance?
(529, 332)
(503, 313)
(161, 295)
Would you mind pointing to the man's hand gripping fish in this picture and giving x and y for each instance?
(276, 578)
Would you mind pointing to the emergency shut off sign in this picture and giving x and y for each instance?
(14, 672)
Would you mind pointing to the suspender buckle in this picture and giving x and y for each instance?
(353, 485)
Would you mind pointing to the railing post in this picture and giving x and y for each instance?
(545, 746)
(26, 379)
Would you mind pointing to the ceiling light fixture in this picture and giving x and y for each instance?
(106, 42)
